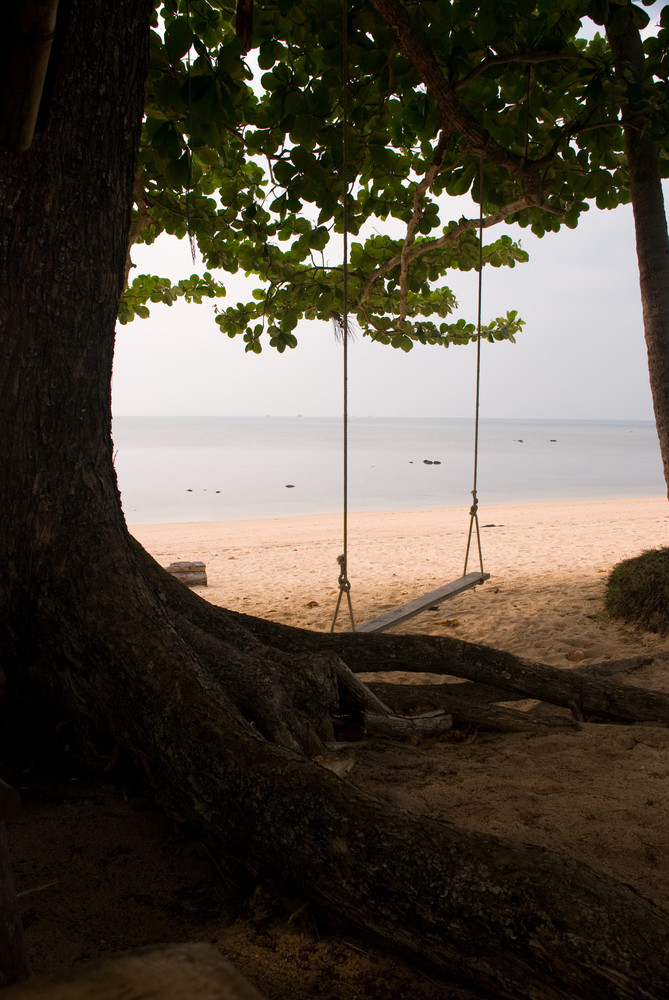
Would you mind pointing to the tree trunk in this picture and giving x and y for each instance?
(13, 961)
(225, 723)
(650, 222)
(27, 37)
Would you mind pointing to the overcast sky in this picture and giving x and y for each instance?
(580, 356)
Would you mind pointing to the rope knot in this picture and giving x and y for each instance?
(343, 581)
(344, 588)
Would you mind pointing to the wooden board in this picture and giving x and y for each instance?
(405, 611)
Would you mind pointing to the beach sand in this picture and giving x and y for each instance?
(548, 564)
(102, 870)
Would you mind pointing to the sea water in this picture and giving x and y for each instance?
(174, 469)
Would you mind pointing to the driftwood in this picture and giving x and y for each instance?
(606, 668)
(193, 574)
(463, 709)
(167, 972)
(399, 728)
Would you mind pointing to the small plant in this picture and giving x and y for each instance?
(638, 591)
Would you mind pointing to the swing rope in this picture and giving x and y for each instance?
(467, 581)
(474, 510)
(189, 149)
(396, 616)
(343, 581)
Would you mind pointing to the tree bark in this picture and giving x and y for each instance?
(223, 722)
(27, 37)
(650, 222)
(492, 668)
(13, 961)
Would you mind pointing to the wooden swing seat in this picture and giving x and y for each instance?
(412, 608)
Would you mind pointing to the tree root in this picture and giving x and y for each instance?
(493, 668)
(176, 687)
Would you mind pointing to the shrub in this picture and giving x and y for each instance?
(638, 591)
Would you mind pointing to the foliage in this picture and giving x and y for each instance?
(637, 591)
(254, 156)
(151, 288)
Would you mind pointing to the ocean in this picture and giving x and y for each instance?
(174, 469)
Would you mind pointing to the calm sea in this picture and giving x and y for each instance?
(230, 468)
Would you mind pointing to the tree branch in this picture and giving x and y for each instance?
(454, 118)
(524, 60)
(419, 193)
(408, 255)
(141, 221)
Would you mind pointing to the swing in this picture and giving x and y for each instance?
(468, 580)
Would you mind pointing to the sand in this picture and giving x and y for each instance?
(99, 869)
(548, 564)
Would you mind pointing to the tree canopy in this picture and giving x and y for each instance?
(250, 131)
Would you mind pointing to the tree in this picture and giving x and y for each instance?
(635, 72)
(443, 90)
(634, 99)
(224, 713)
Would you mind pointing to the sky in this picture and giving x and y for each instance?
(581, 355)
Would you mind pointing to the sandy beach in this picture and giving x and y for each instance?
(548, 563)
(99, 869)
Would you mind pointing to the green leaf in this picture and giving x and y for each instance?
(267, 154)
(178, 39)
